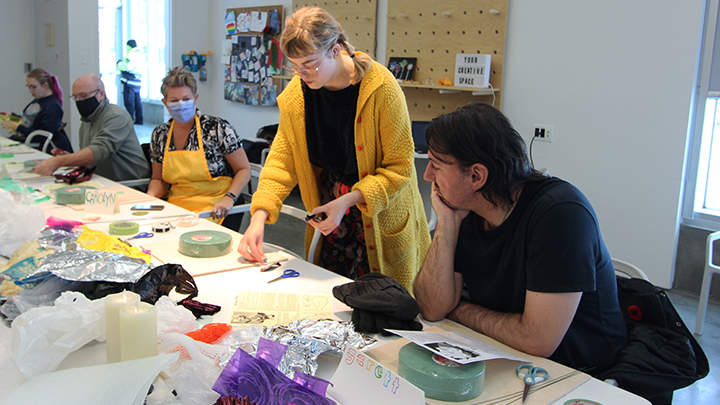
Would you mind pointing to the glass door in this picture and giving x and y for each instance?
(110, 31)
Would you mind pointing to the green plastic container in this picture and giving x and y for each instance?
(454, 382)
(205, 244)
(71, 195)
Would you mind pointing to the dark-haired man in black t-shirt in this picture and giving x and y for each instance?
(516, 255)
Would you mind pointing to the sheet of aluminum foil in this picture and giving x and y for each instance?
(59, 239)
(309, 338)
(93, 265)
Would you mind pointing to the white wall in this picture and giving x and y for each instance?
(55, 58)
(17, 48)
(83, 54)
(615, 78)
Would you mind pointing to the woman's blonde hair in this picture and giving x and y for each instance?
(312, 30)
(177, 77)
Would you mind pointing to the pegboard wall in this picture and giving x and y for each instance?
(357, 18)
(434, 33)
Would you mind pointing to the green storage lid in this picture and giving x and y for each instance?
(31, 163)
(71, 194)
(454, 382)
(205, 243)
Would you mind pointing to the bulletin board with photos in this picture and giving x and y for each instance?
(252, 55)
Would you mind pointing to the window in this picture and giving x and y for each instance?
(702, 191)
(147, 24)
(145, 21)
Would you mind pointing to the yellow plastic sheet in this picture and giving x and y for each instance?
(97, 240)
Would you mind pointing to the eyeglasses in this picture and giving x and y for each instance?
(305, 71)
(83, 96)
(32, 87)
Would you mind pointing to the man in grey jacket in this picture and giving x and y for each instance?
(107, 137)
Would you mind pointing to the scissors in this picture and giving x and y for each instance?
(141, 235)
(287, 273)
(531, 375)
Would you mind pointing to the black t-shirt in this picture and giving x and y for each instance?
(550, 243)
(330, 130)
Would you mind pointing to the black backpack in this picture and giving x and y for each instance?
(662, 355)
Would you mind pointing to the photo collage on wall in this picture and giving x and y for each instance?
(250, 54)
(248, 76)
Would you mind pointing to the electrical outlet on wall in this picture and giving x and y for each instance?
(543, 132)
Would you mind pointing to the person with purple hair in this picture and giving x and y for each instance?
(44, 112)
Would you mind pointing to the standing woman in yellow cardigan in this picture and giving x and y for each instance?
(344, 138)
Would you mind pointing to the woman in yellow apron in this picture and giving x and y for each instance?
(197, 159)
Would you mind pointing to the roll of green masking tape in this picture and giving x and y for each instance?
(71, 195)
(31, 163)
(124, 228)
(440, 378)
(205, 243)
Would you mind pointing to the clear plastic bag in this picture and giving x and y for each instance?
(19, 223)
(44, 336)
(173, 318)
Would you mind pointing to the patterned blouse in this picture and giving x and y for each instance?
(219, 140)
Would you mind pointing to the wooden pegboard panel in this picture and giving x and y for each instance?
(426, 104)
(434, 32)
(357, 18)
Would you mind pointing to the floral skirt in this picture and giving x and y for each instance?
(343, 251)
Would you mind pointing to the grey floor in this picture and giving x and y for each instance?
(288, 232)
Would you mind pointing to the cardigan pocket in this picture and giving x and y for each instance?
(399, 247)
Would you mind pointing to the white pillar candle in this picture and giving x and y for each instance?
(138, 331)
(113, 303)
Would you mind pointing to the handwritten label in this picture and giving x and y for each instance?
(472, 70)
(101, 202)
(360, 379)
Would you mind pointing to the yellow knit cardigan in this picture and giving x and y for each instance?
(396, 230)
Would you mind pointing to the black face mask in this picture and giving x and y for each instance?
(87, 107)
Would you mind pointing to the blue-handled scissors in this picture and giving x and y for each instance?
(141, 235)
(287, 273)
(531, 375)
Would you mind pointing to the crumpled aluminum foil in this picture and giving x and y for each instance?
(309, 338)
(59, 239)
(93, 265)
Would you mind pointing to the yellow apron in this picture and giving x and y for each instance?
(191, 185)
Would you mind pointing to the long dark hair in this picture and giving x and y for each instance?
(480, 133)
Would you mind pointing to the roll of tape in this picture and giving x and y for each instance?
(124, 228)
(205, 244)
(71, 195)
(188, 221)
(447, 382)
(31, 163)
(162, 227)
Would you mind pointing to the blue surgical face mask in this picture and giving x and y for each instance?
(182, 111)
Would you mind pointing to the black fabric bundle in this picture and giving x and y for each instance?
(379, 302)
(662, 355)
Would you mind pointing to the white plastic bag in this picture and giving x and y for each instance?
(19, 223)
(172, 318)
(10, 376)
(44, 336)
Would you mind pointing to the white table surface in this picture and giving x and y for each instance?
(220, 288)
